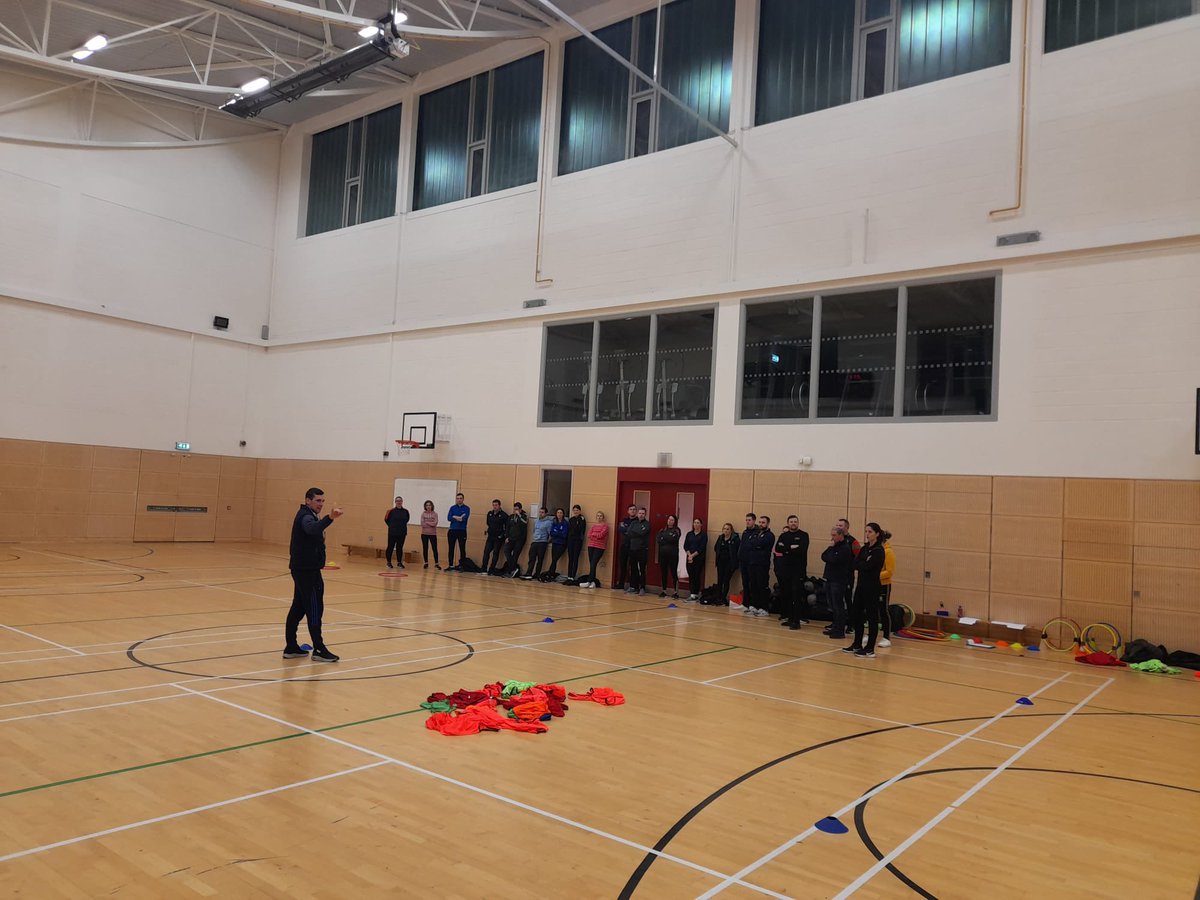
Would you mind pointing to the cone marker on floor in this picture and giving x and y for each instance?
(547, 620)
(1025, 701)
(830, 825)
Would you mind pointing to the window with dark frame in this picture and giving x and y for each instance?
(610, 114)
(1070, 23)
(814, 54)
(940, 335)
(645, 368)
(479, 135)
(352, 172)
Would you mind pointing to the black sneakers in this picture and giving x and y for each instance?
(294, 653)
(323, 655)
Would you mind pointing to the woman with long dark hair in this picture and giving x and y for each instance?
(865, 608)
(695, 549)
(725, 554)
(668, 556)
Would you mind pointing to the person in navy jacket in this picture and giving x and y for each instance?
(306, 558)
(457, 533)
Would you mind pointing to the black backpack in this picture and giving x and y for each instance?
(896, 617)
(1184, 659)
(468, 565)
(1141, 650)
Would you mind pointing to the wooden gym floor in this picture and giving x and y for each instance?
(157, 746)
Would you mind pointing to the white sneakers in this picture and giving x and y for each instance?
(883, 642)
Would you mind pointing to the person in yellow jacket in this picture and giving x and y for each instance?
(885, 583)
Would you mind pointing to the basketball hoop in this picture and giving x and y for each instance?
(404, 446)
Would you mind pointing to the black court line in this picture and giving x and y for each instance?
(470, 651)
(864, 835)
(661, 844)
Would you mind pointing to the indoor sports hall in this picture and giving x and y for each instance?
(419, 417)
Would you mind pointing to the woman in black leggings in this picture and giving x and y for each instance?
(429, 523)
(865, 608)
(725, 552)
(668, 556)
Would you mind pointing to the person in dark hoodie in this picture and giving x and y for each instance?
(306, 558)
(577, 528)
(791, 569)
(695, 550)
(621, 548)
(517, 532)
(397, 526)
(494, 533)
(755, 561)
(560, 529)
(667, 545)
(725, 554)
(866, 593)
(839, 567)
(637, 543)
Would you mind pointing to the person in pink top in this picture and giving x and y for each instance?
(429, 524)
(597, 541)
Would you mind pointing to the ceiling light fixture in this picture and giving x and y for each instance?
(399, 17)
(81, 54)
(369, 32)
(384, 45)
(99, 42)
(255, 85)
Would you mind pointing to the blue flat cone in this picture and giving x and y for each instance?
(830, 825)
(306, 647)
(1025, 701)
(547, 620)
(672, 606)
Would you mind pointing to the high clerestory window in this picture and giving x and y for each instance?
(1073, 22)
(814, 54)
(609, 114)
(479, 135)
(836, 356)
(352, 172)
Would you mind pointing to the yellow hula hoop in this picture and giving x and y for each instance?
(910, 617)
(923, 634)
(1089, 639)
(1069, 623)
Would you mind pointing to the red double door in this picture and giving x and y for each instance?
(682, 492)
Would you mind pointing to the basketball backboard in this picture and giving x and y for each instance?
(420, 427)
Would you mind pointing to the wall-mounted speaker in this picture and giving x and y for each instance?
(221, 323)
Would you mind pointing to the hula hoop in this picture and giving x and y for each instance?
(1070, 624)
(910, 617)
(923, 634)
(1089, 639)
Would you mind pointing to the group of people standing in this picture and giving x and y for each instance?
(857, 576)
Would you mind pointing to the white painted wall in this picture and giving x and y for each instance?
(168, 235)
(81, 378)
(896, 184)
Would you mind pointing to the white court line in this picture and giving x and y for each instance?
(555, 817)
(186, 812)
(235, 687)
(829, 709)
(786, 662)
(964, 797)
(812, 829)
(44, 641)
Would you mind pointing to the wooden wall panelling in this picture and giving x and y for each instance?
(857, 493)
(1093, 581)
(779, 489)
(1166, 587)
(828, 489)
(1036, 611)
(1019, 496)
(959, 484)
(974, 603)
(1030, 576)
(21, 453)
(1088, 613)
(1175, 630)
(907, 527)
(1098, 498)
(1167, 501)
(956, 569)
(731, 484)
(1027, 536)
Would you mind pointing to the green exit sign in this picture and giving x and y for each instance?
(182, 445)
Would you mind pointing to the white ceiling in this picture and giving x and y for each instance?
(200, 51)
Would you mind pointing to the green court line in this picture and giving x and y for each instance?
(299, 734)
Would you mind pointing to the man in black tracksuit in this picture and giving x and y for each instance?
(791, 569)
(397, 526)
(621, 563)
(839, 572)
(497, 527)
(518, 530)
(754, 559)
(306, 559)
(637, 548)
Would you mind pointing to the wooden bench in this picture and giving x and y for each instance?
(366, 548)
